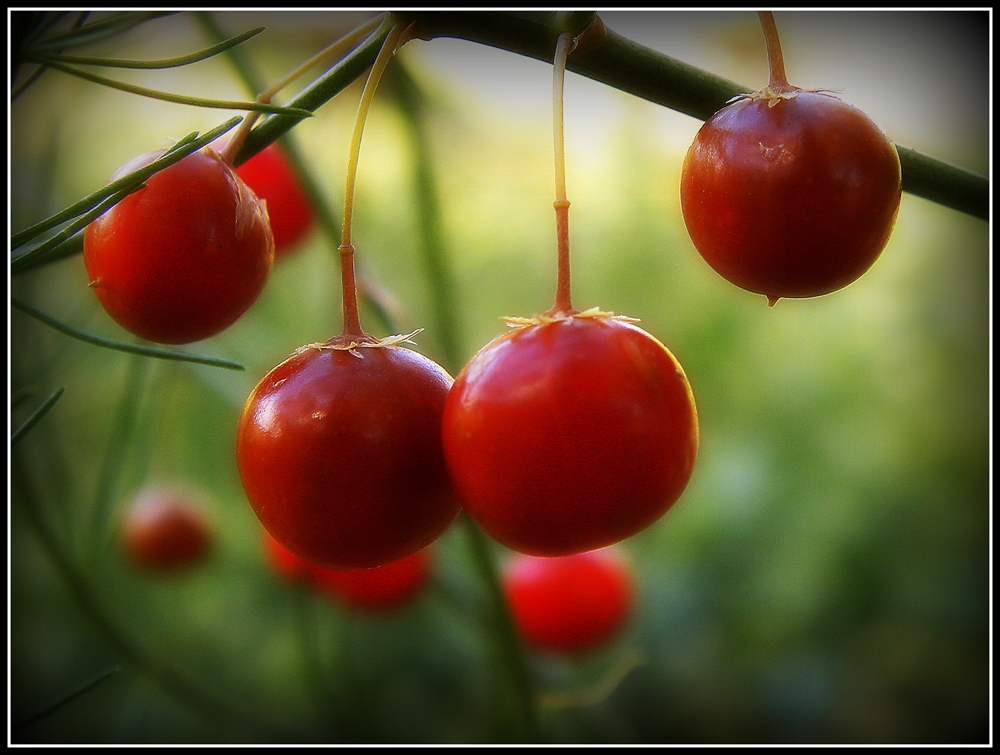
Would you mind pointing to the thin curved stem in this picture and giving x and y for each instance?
(181, 60)
(335, 50)
(352, 321)
(367, 95)
(563, 300)
(329, 223)
(132, 348)
(89, 33)
(179, 99)
(316, 93)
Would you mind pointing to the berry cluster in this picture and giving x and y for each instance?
(568, 434)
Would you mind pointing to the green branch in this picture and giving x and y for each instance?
(317, 93)
(637, 70)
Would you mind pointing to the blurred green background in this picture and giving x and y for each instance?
(824, 578)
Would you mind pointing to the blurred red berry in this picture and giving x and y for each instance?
(272, 178)
(165, 529)
(383, 588)
(571, 604)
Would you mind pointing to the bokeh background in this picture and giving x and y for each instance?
(824, 579)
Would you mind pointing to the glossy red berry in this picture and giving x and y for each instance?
(183, 258)
(165, 529)
(790, 195)
(570, 434)
(270, 176)
(789, 192)
(339, 452)
(380, 589)
(570, 605)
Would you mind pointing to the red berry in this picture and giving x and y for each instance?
(382, 588)
(339, 452)
(272, 179)
(792, 194)
(572, 604)
(165, 530)
(570, 435)
(183, 258)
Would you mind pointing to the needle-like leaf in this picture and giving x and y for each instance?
(70, 696)
(132, 348)
(176, 153)
(182, 60)
(39, 254)
(36, 415)
(93, 32)
(181, 99)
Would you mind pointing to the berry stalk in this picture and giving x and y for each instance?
(336, 50)
(776, 63)
(563, 303)
(352, 322)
